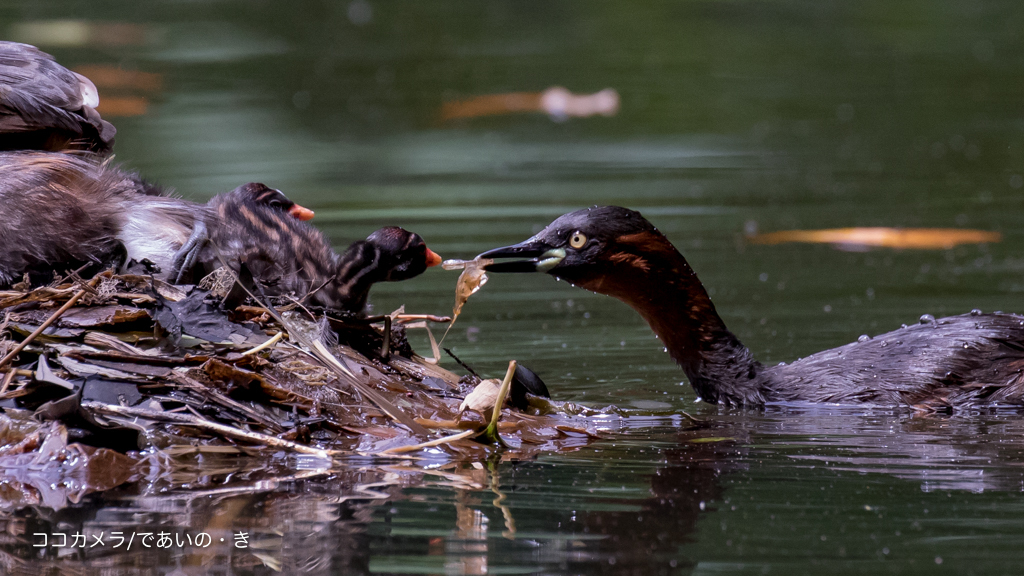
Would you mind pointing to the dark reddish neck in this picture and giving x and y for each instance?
(656, 281)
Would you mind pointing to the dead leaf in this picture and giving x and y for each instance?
(912, 238)
(94, 316)
(472, 278)
(482, 397)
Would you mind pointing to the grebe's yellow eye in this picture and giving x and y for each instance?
(578, 240)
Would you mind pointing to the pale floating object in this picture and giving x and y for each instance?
(560, 104)
(483, 397)
(557, 102)
(910, 238)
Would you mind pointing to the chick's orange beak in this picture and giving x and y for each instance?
(433, 258)
(301, 212)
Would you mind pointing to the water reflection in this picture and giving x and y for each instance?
(635, 504)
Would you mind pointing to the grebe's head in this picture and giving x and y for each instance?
(601, 248)
(255, 193)
(403, 254)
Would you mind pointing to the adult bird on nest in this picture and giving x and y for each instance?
(48, 113)
(961, 361)
(63, 211)
(45, 106)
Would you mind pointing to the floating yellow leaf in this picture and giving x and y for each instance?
(913, 238)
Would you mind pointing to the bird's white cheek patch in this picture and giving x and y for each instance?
(550, 259)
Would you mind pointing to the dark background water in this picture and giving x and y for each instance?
(735, 116)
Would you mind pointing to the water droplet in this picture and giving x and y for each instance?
(863, 338)
(927, 319)
(965, 345)
(904, 325)
(975, 312)
(884, 343)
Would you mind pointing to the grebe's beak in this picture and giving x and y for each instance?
(301, 212)
(541, 257)
(433, 258)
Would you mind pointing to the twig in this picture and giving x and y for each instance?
(461, 363)
(314, 291)
(7, 381)
(403, 318)
(298, 303)
(53, 318)
(277, 338)
(227, 431)
(17, 371)
(438, 442)
(457, 425)
(385, 346)
(73, 274)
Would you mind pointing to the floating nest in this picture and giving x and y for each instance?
(123, 371)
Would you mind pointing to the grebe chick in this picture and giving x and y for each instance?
(957, 362)
(45, 106)
(251, 195)
(288, 256)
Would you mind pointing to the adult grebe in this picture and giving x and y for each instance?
(957, 362)
(45, 106)
(60, 211)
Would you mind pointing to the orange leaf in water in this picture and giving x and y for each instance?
(913, 238)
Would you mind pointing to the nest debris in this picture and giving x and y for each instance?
(132, 365)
